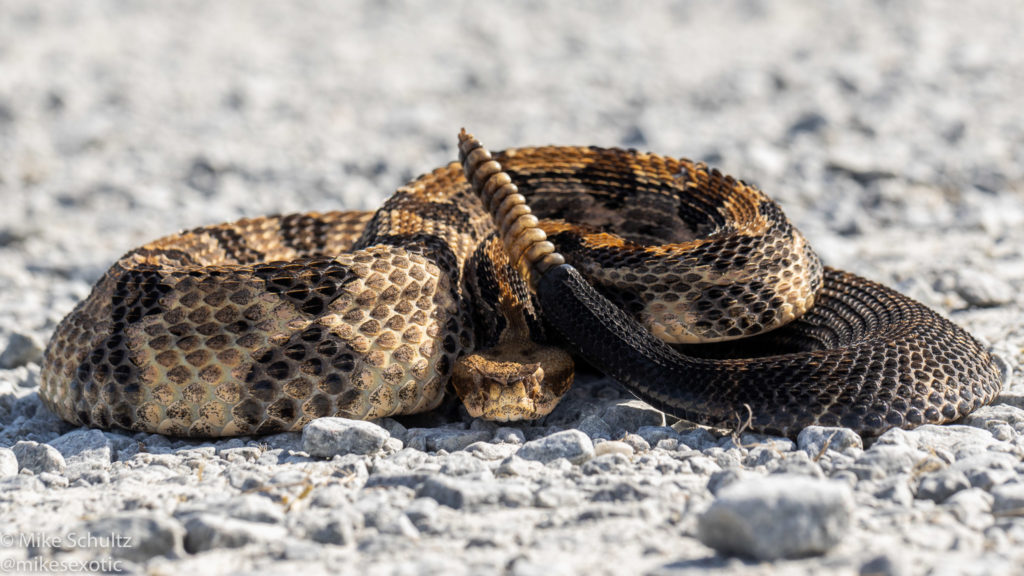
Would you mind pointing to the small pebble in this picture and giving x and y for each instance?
(882, 460)
(938, 486)
(613, 447)
(516, 466)
(394, 428)
(327, 437)
(987, 416)
(610, 463)
(87, 452)
(491, 452)
(250, 507)
(971, 507)
(982, 289)
(447, 439)
(775, 443)
(953, 439)
(464, 464)
(333, 530)
(573, 445)
(697, 439)
(595, 427)
(1008, 500)
(987, 469)
(797, 462)
(777, 517)
(655, 434)
(631, 415)
(886, 565)
(39, 458)
(459, 494)
(636, 442)
(209, 532)
(816, 439)
(144, 535)
(724, 478)
(509, 436)
(895, 489)
(8, 463)
(21, 349)
(422, 512)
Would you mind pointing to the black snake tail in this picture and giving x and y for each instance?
(893, 363)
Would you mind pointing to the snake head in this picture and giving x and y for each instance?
(513, 381)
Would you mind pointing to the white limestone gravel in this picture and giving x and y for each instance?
(890, 132)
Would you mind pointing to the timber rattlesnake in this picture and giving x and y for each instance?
(263, 324)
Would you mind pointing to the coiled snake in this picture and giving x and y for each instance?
(475, 274)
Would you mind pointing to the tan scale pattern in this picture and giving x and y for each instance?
(695, 255)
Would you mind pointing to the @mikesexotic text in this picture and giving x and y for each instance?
(106, 565)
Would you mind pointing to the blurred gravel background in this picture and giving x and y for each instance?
(890, 132)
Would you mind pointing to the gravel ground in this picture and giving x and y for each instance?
(890, 132)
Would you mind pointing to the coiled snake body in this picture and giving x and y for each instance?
(263, 324)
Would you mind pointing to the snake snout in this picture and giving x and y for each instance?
(513, 381)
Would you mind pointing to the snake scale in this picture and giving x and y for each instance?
(689, 287)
